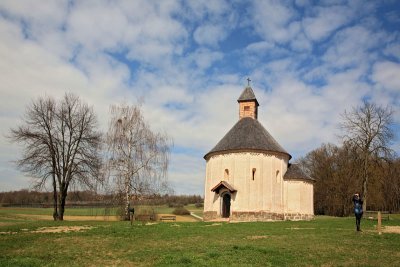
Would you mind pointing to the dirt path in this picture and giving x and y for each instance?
(196, 216)
(62, 229)
(391, 229)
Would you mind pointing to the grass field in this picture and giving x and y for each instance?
(325, 241)
(96, 211)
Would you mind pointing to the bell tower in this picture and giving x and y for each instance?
(248, 104)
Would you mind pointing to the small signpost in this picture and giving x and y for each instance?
(131, 214)
(379, 222)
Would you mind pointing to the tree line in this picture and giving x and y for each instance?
(27, 197)
(363, 163)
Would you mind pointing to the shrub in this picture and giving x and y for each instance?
(121, 213)
(199, 205)
(175, 205)
(181, 211)
(145, 213)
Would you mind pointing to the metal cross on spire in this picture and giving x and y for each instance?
(248, 81)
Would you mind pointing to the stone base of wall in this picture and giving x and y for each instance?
(210, 215)
(298, 217)
(258, 216)
(254, 216)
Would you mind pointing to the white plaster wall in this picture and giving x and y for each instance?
(264, 193)
(299, 197)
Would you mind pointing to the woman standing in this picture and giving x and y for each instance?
(358, 211)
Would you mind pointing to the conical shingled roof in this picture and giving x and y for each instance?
(248, 134)
(247, 95)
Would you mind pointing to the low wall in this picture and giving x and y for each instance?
(254, 216)
(210, 215)
(298, 217)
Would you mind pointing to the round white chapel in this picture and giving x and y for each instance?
(249, 177)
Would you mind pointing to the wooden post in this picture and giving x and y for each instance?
(379, 222)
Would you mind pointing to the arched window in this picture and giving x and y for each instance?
(226, 174)
(278, 180)
(253, 173)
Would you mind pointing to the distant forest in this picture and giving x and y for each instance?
(338, 175)
(27, 198)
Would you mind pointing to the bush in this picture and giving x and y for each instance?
(144, 213)
(181, 211)
(121, 213)
(199, 205)
(175, 205)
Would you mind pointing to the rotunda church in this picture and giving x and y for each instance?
(249, 177)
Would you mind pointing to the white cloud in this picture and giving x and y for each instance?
(187, 173)
(345, 90)
(393, 50)
(204, 58)
(302, 116)
(197, 10)
(37, 20)
(96, 25)
(146, 30)
(209, 35)
(387, 74)
(302, 3)
(351, 47)
(165, 95)
(297, 116)
(260, 46)
(325, 21)
(271, 19)
(301, 43)
(212, 20)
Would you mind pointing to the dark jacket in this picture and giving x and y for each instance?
(358, 203)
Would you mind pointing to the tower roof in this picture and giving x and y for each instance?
(247, 134)
(247, 95)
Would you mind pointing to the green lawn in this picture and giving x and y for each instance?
(324, 241)
(81, 211)
(96, 211)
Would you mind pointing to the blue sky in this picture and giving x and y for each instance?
(187, 63)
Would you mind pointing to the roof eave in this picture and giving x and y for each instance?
(249, 100)
(307, 179)
(223, 184)
(210, 154)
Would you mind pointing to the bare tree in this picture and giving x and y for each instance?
(391, 186)
(368, 128)
(61, 143)
(336, 172)
(137, 157)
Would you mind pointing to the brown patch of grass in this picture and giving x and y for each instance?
(6, 223)
(391, 229)
(214, 224)
(69, 218)
(62, 229)
(255, 237)
(298, 228)
(7, 233)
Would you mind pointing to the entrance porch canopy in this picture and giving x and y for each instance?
(222, 185)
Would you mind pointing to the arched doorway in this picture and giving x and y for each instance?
(226, 205)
